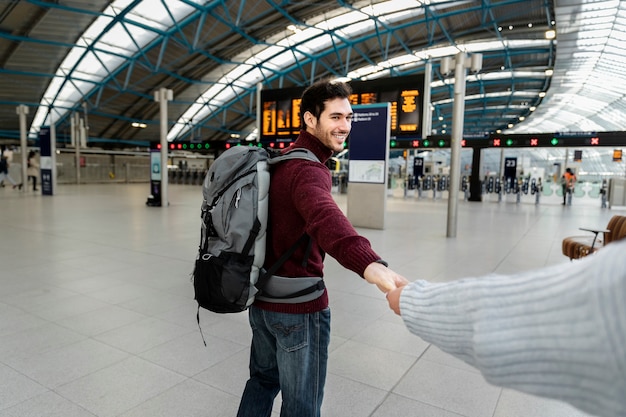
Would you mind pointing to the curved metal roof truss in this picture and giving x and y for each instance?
(213, 54)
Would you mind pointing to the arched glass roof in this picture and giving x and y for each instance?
(120, 32)
(125, 29)
(588, 91)
(214, 54)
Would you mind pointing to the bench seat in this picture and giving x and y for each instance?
(576, 247)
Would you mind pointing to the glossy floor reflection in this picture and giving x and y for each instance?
(97, 316)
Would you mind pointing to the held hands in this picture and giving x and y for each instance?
(393, 298)
(384, 278)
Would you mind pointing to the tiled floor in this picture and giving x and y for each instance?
(97, 316)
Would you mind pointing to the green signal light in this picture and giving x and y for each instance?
(192, 146)
(184, 146)
(509, 142)
(426, 143)
(442, 143)
(554, 141)
(207, 146)
(393, 143)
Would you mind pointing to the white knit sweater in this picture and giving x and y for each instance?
(557, 332)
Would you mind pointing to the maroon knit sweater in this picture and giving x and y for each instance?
(301, 202)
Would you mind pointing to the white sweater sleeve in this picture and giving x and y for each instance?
(558, 332)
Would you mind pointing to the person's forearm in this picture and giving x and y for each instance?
(543, 332)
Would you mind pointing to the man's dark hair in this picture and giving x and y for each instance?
(315, 96)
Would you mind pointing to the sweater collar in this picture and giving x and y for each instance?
(312, 143)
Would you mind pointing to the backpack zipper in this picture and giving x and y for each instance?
(237, 197)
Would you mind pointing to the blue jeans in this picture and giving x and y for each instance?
(289, 354)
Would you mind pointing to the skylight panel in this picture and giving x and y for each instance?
(90, 67)
(254, 76)
(164, 13)
(339, 22)
(119, 41)
(355, 29)
(318, 43)
(269, 53)
(387, 7)
(598, 34)
(75, 93)
(284, 59)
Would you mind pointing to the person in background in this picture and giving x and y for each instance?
(33, 169)
(557, 332)
(569, 182)
(4, 173)
(7, 153)
(289, 351)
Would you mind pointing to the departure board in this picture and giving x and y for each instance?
(281, 107)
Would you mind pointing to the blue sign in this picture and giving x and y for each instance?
(46, 161)
(369, 143)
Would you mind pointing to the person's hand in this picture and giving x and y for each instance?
(393, 297)
(383, 277)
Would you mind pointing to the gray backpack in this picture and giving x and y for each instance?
(228, 272)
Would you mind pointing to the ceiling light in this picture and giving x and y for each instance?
(139, 125)
(542, 94)
(532, 108)
(549, 72)
(550, 34)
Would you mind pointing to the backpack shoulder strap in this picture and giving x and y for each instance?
(296, 153)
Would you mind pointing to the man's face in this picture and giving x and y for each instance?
(334, 124)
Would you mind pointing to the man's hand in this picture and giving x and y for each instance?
(393, 297)
(384, 278)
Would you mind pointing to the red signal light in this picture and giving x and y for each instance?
(595, 141)
(496, 142)
(415, 144)
(534, 141)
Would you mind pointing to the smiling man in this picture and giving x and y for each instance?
(290, 338)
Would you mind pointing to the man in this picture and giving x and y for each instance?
(289, 350)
